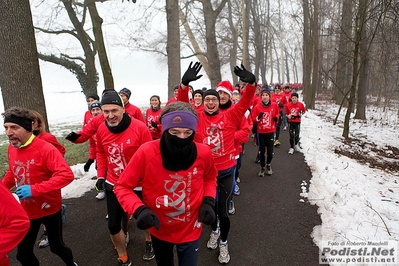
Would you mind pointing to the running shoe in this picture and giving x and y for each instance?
(224, 256)
(121, 263)
(43, 242)
(236, 191)
(269, 169)
(232, 209)
(213, 240)
(100, 195)
(149, 251)
(262, 172)
(297, 148)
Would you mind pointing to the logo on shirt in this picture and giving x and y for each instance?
(177, 198)
(214, 138)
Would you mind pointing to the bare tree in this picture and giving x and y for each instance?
(20, 79)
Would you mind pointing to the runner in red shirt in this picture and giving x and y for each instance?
(178, 177)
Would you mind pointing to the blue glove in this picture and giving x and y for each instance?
(24, 192)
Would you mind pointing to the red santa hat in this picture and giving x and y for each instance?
(225, 86)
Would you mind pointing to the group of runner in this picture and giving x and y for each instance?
(175, 170)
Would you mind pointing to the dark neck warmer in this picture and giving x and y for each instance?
(177, 154)
(122, 126)
(265, 105)
(226, 105)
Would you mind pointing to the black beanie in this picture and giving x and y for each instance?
(111, 97)
(93, 96)
(211, 92)
(295, 95)
(198, 92)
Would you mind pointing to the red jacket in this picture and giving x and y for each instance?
(53, 141)
(14, 224)
(175, 197)
(296, 110)
(114, 151)
(150, 115)
(88, 116)
(279, 98)
(217, 131)
(134, 112)
(287, 96)
(266, 124)
(40, 165)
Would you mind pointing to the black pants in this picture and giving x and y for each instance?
(294, 129)
(187, 253)
(225, 181)
(117, 217)
(278, 126)
(266, 142)
(53, 224)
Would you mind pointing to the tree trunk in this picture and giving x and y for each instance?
(97, 22)
(234, 46)
(363, 76)
(307, 49)
(311, 93)
(212, 52)
(20, 78)
(246, 4)
(359, 23)
(173, 44)
(343, 57)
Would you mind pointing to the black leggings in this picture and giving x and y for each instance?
(278, 126)
(294, 129)
(225, 181)
(266, 141)
(117, 217)
(53, 224)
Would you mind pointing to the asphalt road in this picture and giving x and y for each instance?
(271, 225)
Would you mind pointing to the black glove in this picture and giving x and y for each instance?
(191, 73)
(207, 213)
(260, 115)
(100, 184)
(87, 165)
(72, 136)
(245, 75)
(280, 105)
(154, 125)
(145, 218)
(275, 119)
(293, 116)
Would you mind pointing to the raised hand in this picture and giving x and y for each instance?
(191, 73)
(245, 75)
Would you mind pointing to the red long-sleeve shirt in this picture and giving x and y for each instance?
(296, 110)
(265, 124)
(14, 223)
(153, 116)
(53, 141)
(217, 131)
(40, 165)
(114, 151)
(174, 196)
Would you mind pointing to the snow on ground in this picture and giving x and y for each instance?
(355, 202)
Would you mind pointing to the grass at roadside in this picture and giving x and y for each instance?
(75, 153)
